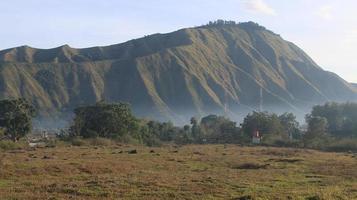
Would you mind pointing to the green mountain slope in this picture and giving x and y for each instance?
(192, 71)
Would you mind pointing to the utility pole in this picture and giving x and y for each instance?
(261, 100)
(225, 104)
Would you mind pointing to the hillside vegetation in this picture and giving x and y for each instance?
(193, 71)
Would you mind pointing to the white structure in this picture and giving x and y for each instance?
(256, 139)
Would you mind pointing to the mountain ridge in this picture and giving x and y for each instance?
(189, 72)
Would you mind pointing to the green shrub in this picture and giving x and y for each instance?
(2, 132)
(100, 141)
(319, 143)
(152, 142)
(288, 143)
(78, 142)
(10, 145)
(128, 139)
(281, 141)
(343, 145)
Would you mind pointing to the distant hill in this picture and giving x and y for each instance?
(354, 85)
(218, 68)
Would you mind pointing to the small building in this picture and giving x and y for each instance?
(256, 137)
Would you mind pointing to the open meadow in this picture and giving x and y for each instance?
(177, 172)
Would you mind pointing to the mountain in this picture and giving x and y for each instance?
(354, 85)
(217, 68)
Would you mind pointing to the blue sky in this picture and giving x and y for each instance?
(325, 29)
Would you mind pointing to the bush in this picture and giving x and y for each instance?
(288, 143)
(78, 142)
(7, 145)
(2, 132)
(272, 139)
(100, 142)
(128, 139)
(281, 141)
(183, 138)
(343, 145)
(319, 143)
(152, 142)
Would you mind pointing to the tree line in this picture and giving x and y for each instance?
(326, 124)
(115, 121)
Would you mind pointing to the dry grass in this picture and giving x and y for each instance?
(188, 172)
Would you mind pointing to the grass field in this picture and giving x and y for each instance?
(187, 172)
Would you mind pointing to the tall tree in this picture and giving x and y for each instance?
(218, 129)
(104, 120)
(264, 122)
(316, 132)
(195, 130)
(290, 125)
(16, 118)
(341, 118)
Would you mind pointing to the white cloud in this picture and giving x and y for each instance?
(259, 7)
(325, 12)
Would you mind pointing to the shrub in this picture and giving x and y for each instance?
(128, 139)
(288, 143)
(100, 141)
(343, 145)
(281, 141)
(78, 142)
(152, 142)
(51, 143)
(317, 142)
(10, 145)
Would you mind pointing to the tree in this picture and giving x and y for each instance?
(166, 131)
(333, 112)
(195, 130)
(16, 118)
(264, 122)
(290, 125)
(341, 118)
(104, 120)
(316, 132)
(221, 22)
(218, 129)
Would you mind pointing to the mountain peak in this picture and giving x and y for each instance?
(65, 46)
(189, 72)
(25, 47)
(252, 26)
(247, 26)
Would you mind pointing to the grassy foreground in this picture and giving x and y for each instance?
(188, 172)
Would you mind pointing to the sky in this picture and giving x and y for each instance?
(325, 29)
